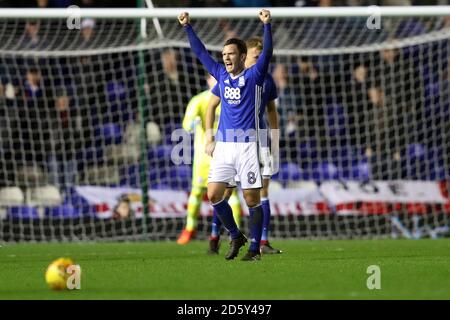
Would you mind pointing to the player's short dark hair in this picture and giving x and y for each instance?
(33, 69)
(255, 42)
(240, 44)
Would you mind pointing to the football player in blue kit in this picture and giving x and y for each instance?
(234, 148)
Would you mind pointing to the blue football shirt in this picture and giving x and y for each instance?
(269, 93)
(241, 95)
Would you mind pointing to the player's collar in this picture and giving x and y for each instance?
(237, 76)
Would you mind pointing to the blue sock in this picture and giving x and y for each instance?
(225, 214)
(216, 225)
(256, 219)
(266, 219)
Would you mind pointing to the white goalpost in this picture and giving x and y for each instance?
(87, 114)
(235, 13)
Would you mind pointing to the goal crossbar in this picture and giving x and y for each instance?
(235, 13)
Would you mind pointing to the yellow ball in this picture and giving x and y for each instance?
(56, 274)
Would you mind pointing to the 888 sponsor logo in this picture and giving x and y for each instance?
(233, 95)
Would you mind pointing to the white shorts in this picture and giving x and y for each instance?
(265, 165)
(236, 159)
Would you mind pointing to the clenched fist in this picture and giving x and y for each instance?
(264, 15)
(183, 18)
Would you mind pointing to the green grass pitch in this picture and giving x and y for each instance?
(410, 269)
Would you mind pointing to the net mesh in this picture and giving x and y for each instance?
(356, 105)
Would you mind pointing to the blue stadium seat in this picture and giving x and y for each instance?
(23, 212)
(307, 152)
(325, 171)
(181, 172)
(435, 155)
(63, 211)
(159, 161)
(181, 185)
(163, 151)
(409, 28)
(288, 172)
(111, 133)
(160, 186)
(180, 176)
(115, 91)
(151, 152)
(438, 173)
(157, 173)
(432, 100)
(416, 164)
(283, 154)
(336, 120)
(341, 152)
(117, 95)
(416, 151)
(361, 170)
(432, 90)
(436, 164)
(168, 183)
(343, 156)
(75, 200)
(435, 108)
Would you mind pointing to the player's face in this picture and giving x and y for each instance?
(252, 56)
(234, 62)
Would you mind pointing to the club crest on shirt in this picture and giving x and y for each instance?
(241, 81)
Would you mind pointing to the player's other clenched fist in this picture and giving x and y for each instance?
(183, 18)
(264, 15)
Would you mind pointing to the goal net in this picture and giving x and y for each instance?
(90, 122)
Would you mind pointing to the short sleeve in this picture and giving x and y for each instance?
(216, 90)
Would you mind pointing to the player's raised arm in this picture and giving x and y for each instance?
(210, 118)
(198, 47)
(262, 65)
